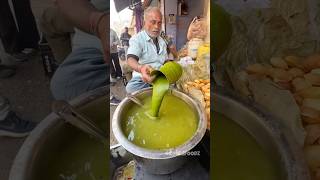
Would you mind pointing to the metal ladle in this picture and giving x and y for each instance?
(67, 112)
(139, 102)
(135, 99)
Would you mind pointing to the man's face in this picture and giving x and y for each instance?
(153, 24)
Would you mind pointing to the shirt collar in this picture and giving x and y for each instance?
(146, 36)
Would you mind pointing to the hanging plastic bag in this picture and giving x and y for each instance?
(197, 28)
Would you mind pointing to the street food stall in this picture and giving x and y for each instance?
(178, 149)
(167, 146)
(265, 71)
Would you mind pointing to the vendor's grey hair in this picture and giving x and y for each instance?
(149, 10)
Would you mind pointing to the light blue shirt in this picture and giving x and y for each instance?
(142, 46)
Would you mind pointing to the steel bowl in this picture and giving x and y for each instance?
(159, 161)
(265, 129)
(53, 133)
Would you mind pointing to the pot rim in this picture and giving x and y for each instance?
(22, 165)
(165, 153)
(293, 159)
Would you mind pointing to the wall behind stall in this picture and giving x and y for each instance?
(171, 8)
(195, 8)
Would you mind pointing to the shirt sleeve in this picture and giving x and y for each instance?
(135, 48)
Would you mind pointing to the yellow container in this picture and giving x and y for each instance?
(203, 50)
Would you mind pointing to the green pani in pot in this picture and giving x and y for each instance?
(237, 155)
(169, 73)
(164, 121)
(77, 156)
(177, 123)
(160, 88)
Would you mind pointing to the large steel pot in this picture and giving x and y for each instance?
(266, 129)
(53, 133)
(260, 124)
(159, 161)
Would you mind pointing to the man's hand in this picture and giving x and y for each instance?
(145, 71)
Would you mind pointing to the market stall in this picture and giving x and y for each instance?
(162, 130)
(194, 57)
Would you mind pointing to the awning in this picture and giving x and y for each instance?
(122, 4)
